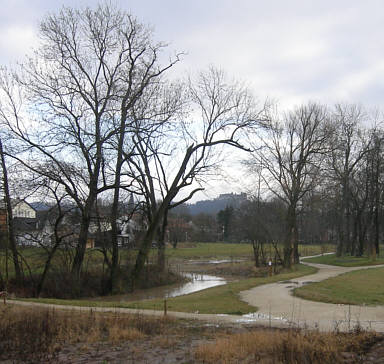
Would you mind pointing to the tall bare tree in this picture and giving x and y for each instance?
(10, 239)
(348, 149)
(72, 99)
(221, 111)
(291, 152)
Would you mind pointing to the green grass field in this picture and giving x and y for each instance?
(35, 257)
(361, 287)
(208, 250)
(226, 250)
(217, 300)
(346, 261)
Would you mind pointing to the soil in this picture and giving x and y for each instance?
(170, 350)
(173, 348)
(177, 347)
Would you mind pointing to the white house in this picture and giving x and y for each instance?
(21, 208)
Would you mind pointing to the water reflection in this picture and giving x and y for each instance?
(197, 282)
(215, 261)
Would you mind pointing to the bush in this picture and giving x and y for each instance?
(93, 283)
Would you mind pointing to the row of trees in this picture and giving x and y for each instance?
(92, 115)
(318, 178)
(325, 166)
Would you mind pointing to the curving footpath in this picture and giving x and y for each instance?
(276, 302)
(276, 307)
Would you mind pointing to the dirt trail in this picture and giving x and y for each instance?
(277, 301)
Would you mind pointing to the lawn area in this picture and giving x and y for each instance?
(346, 261)
(208, 250)
(35, 257)
(217, 300)
(356, 288)
(227, 250)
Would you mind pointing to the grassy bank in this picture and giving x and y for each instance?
(217, 300)
(345, 261)
(362, 287)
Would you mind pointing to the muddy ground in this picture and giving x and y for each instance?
(176, 347)
(170, 350)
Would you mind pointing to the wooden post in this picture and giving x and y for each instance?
(165, 307)
(270, 267)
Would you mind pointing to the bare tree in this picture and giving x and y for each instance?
(58, 233)
(11, 241)
(224, 110)
(348, 149)
(291, 152)
(72, 100)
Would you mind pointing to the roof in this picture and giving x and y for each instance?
(16, 201)
(39, 206)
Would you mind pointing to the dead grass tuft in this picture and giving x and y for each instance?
(117, 334)
(283, 347)
(36, 335)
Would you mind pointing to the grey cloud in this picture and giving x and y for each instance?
(292, 50)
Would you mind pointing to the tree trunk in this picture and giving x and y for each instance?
(115, 206)
(80, 249)
(147, 240)
(161, 244)
(290, 244)
(113, 268)
(11, 233)
(47, 266)
(255, 245)
(376, 225)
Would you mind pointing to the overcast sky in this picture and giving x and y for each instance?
(291, 51)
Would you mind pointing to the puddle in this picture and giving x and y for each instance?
(197, 283)
(256, 316)
(215, 261)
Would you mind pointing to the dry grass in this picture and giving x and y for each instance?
(34, 335)
(284, 347)
(38, 335)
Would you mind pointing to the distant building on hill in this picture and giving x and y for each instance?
(212, 207)
(241, 197)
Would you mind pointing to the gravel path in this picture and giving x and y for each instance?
(276, 301)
